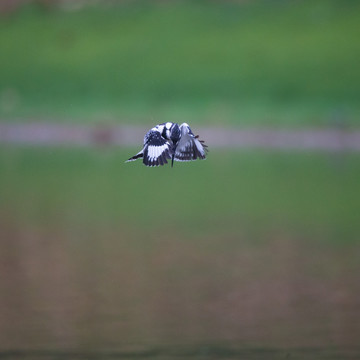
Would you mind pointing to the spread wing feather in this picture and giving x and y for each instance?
(156, 149)
(189, 147)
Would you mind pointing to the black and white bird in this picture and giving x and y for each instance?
(170, 141)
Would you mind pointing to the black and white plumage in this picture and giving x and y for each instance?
(170, 141)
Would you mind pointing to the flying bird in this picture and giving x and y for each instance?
(170, 141)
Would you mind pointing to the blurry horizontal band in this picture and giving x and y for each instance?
(45, 134)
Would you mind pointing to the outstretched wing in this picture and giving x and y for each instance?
(156, 149)
(189, 147)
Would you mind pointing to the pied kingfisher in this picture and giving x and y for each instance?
(170, 141)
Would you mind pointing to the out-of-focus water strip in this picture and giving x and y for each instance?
(47, 134)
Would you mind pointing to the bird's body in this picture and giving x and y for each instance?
(170, 141)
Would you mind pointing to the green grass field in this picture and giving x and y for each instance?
(254, 63)
(102, 256)
(238, 195)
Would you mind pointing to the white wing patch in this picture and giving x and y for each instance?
(155, 151)
(200, 148)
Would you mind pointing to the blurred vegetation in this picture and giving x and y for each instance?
(243, 195)
(278, 63)
(273, 63)
(98, 253)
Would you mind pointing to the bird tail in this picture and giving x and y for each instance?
(135, 157)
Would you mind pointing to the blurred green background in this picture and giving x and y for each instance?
(99, 254)
(270, 63)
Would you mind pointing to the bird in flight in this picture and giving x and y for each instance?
(170, 141)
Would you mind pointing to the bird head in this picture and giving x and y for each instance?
(175, 134)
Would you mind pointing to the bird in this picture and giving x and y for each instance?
(170, 141)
